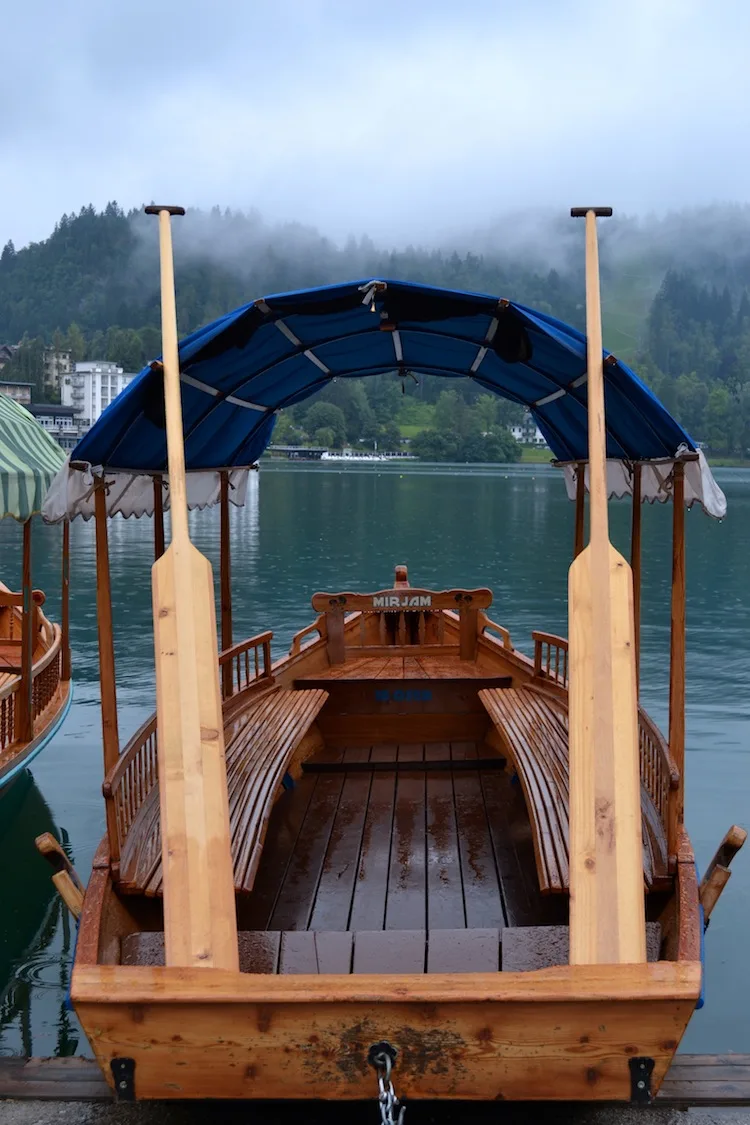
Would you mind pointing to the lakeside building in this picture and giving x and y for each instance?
(19, 392)
(60, 422)
(528, 433)
(91, 386)
(56, 366)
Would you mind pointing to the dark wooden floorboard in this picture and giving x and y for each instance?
(445, 893)
(406, 902)
(371, 885)
(333, 900)
(297, 895)
(401, 850)
(281, 838)
(510, 832)
(483, 901)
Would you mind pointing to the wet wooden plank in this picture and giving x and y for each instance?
(710, 1080)
(463, 951)
(297, 895)
(510, 832)
(438, 766)
(334, 952)
(483, 902)
(333, 900)
(283, 832)
(70, 1079)
(460, 751)
(371, 885)
(390, 951)
(405, 907)
(445, 897)
(410, 752)
(298, 952)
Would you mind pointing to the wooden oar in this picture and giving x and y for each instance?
(607, 909)
(199, 910)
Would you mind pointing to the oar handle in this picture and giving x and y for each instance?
(172, 399)
(157, 208)
(598, 522)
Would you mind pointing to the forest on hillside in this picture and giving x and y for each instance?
(675, 300)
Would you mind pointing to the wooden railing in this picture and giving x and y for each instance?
(659, 774)
(318, 626)
(134, 775)
(45, 681)
(249, 662)
(128, 784)
(551, 657)
(485, 624)
(7, 715)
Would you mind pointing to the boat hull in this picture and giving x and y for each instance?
(566, 1033)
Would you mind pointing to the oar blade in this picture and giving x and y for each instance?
(607, 909)
(199, 906)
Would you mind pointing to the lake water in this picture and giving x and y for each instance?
(308, 528)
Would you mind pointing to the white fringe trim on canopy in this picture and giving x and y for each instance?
(71, 493)
(656, 482)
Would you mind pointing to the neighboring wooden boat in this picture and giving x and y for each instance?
(35, 683)
(398, 785)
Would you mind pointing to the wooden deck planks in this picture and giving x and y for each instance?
(483, 903)
(297, 896)
(393, 850)
(405, 906)
(333, 898)
(445, 892)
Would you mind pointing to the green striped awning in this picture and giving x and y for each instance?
(29, 460)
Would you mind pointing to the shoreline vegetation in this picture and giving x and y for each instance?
(88, 292)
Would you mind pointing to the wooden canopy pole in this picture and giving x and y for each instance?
(635, 566)
(226, 582)
(580, 506)
(65, 597)
(158, 519)
(107, 682)
(200, 921)
(677, 657)
(24, 719)
(607, 909)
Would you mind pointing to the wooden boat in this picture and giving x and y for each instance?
(399, 792)
(35, 682)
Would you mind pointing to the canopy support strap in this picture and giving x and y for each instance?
(65, 598)
(158, 518)
(580, 503)
(677, 658)
(226, 584)
(107, 682)
(635, 566)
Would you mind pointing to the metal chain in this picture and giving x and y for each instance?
(391, 1110)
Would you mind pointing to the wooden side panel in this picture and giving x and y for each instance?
(487, 1049)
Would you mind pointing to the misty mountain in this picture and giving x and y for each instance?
(674, 293)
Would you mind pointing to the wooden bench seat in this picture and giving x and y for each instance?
(336, 951)
(261, 740)
(533, 729)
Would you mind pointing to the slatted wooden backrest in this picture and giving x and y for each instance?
(401, 600)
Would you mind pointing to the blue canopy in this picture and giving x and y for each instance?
(240, 370)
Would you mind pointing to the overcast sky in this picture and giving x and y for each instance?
(406, 119)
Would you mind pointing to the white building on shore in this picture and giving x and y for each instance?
(527, 432)
(91, 386)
